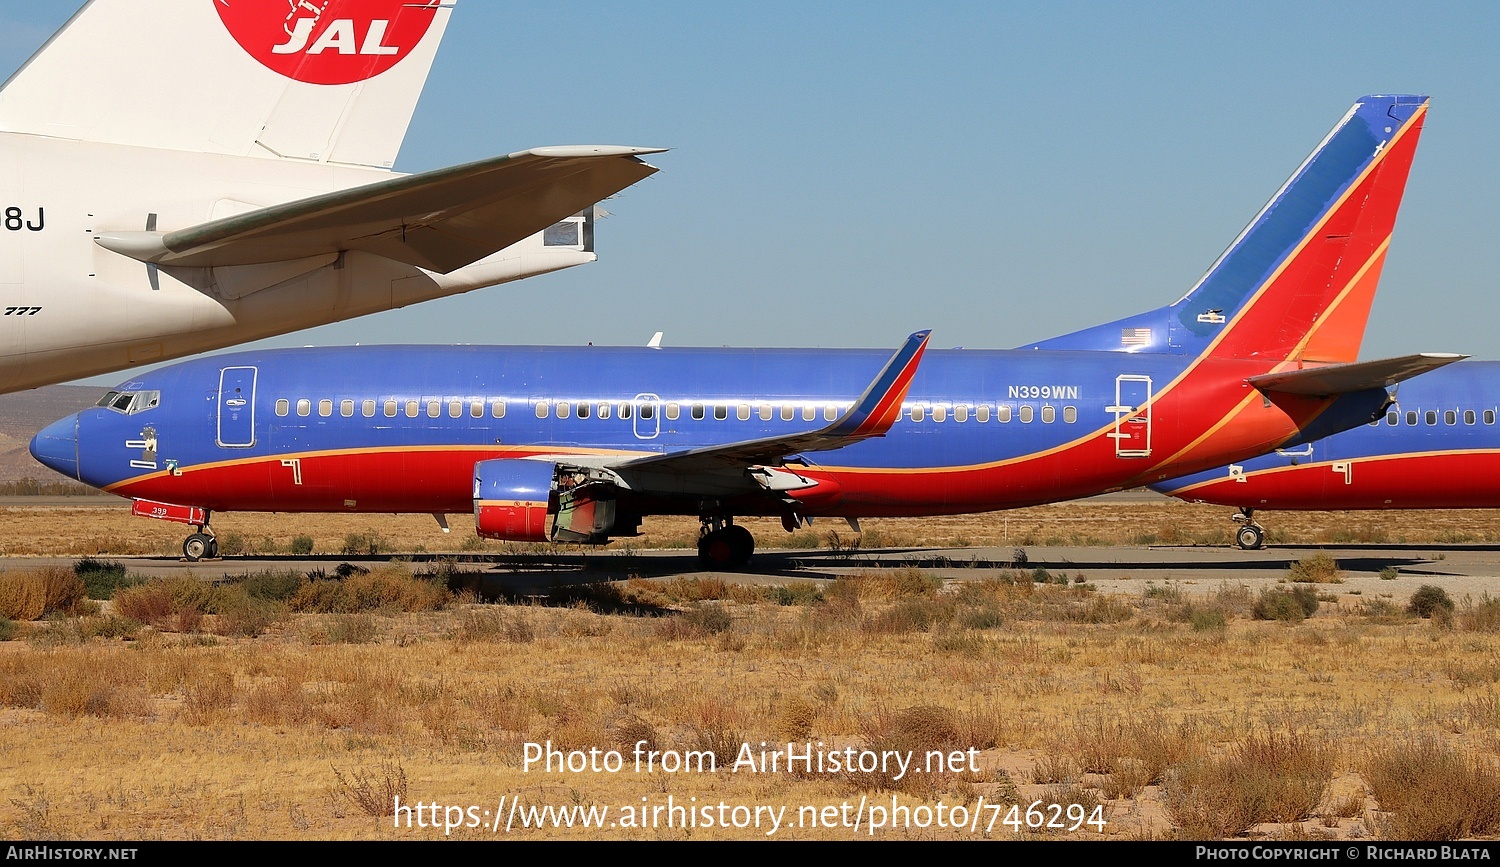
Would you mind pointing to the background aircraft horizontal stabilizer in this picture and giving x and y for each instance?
(1347, 378)
(440, 220)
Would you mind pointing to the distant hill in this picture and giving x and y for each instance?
(24, 413)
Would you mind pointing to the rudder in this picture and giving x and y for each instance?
(332, 81)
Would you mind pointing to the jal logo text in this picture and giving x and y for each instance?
(327, 41)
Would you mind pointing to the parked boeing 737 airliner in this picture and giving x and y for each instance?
(1438, 448)
(184, 175)
(579, 444)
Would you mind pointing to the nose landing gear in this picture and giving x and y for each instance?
(1251, 536)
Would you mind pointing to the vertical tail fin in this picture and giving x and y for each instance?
(1298, 282)
(321, 80)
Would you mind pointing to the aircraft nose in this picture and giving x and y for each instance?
(56, 446)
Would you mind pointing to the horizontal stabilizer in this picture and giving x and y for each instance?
(1347, 378)
(871, 416)
(440, 220)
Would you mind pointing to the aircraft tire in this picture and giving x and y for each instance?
(197, 546)
(715, 551)
(741, 544)
(1250, 538)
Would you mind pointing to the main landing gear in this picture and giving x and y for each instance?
(723, 544)
(1251, 536)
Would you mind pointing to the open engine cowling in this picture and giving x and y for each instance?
(536, 501)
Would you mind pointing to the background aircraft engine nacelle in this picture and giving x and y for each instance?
(515, 500)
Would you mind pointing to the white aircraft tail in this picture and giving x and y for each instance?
(333, 81)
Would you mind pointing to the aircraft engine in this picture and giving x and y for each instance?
(534, 501)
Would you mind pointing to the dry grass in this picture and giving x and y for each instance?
(30, 594)
(1432, 791)
(1064, 692)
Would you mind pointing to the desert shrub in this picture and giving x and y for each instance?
(368, 542)
(231, 544)
(921, 614)
(1266, 778)
(374, 792)
(1430, 601)
(796, 593)
(352, 629)
(388, 589)
(32, 594)
(682, 589)
(886, 584)
(8, 629)
(980, 617)
(1287, 604)
(1206, 618)
(276, 586)
(1433, 791)
(1481, 616)
(920, 730)
(1318, 569)
(102, 578)
(301, 545)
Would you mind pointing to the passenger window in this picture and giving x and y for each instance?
(960, 413)
(1393, 418)
(721, 411)
(809, 413)
(982, 414)
(411, 409)
(1489, 416)
(742, 412)
(646, 411)
(455, 408)
(367, 409)
(564, 409)
(625, 410)
(583, 410)
(1431, 417)
(542, 409)
(304, 407)
(1411, 417)
(1026, 413)
(1070, 414)
(497, 409)
(476, 409)
(788, 412)
(918, 412)
(765, 412)
(434, 408)
(1049, 414)
(940, 413)
(830, 413)
(283, 407)
(389, 409)
(346, 408)
(325, 407)
(697, 412)
(673, 411)
(1450, 417)
(1002, 413)
(603, 410)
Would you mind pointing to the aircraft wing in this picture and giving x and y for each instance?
(1335, 379)
(871, 416)
(440, 220)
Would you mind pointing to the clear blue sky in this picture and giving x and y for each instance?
(845, 173)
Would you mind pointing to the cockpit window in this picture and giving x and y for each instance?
(130, 402)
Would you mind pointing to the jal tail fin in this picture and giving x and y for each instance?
(1297, 283)
(332, 81)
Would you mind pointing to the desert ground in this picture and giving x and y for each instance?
(282, 705)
